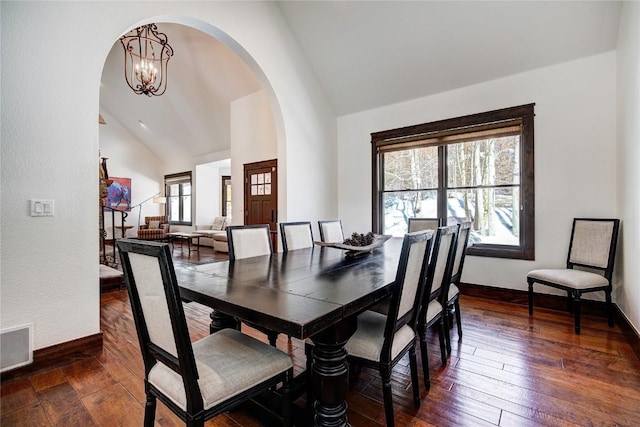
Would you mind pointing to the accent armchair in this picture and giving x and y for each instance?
(154, 228)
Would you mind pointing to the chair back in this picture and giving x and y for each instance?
(441, 261)
(162, 219)
(593, 244)
(157, 311)
(418, 224)
(407, 289)
(464, 229)
(331, 231)
(296, 235)
(246, 241)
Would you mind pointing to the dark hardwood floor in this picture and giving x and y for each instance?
(508, 370)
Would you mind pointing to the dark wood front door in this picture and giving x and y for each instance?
(261, 195)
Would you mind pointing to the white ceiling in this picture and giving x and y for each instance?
(366, 54)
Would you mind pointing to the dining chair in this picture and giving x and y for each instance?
(331, 231)
(453, 295)
(417, 224)
(201, 380)
(592, 249)
(433, 308)
(381, 341)
(296, 235)
(246, 241)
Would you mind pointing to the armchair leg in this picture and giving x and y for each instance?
(530, 297)
(576, 309)
(609, 308)
(443, 342)
(150, 411)
(456, 306)
(385, 375)
(413, 363)
(422, 332)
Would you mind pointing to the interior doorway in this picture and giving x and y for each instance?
(225, 202)
(261, 196)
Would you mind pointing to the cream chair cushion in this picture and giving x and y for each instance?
(298, 236)
(453, 291)
(332, 232)
(576, 279)
(250, 242)
(368, 339)
(229, 362)
(433, 309)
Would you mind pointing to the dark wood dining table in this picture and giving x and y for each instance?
(311, 293)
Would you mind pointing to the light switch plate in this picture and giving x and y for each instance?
(41, 207)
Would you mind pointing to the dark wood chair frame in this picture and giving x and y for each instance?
(284, 225)
(453, 304)
(230, 228)
(272, 336)
(185, 364)
(574, 295)
(386, 363)
(327, 221)
(438, 221)
(439, 294)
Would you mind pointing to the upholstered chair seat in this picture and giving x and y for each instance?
(575, 279)
(368, 339)
(228, 363)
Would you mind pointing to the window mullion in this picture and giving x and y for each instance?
(442, 184)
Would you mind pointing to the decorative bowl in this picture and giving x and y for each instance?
(352, 251)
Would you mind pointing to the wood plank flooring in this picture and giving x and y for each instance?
(507, 370)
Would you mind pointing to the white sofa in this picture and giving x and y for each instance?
(215, 235)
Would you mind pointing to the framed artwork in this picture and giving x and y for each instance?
(119, 194)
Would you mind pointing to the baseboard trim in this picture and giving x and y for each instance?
(554, 302)
(58, 355)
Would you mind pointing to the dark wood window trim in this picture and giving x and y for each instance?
(224, 195)
(182, 177)
(427, 134)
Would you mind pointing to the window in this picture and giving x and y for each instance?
(226, 195)
(178, 191)
(476, 168)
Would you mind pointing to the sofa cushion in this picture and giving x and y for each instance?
(218, 223)
(154, 224)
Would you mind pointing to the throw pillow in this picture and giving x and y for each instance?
(218, 223)
(154, 224)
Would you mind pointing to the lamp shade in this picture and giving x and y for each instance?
(160, 199)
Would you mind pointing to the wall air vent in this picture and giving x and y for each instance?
(16, 347)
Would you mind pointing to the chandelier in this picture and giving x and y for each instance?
(146, 55)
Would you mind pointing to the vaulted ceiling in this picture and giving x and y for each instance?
(365, 54)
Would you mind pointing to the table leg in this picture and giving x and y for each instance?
(330, 374)
(221, 321)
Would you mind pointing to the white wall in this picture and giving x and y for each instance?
(209, 191)
(628, 296)
(129, 158)
(253, 139)
(49, 108)
(575, 154)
